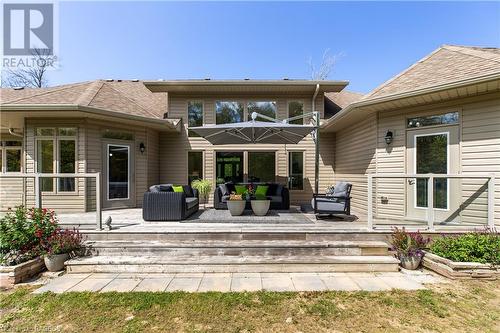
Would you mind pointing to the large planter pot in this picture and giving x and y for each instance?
(410, 262)
(55, 262)
(236, 207)
(260, 207)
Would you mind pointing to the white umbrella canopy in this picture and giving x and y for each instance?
(253, 132)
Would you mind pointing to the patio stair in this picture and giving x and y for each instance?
(202, 255)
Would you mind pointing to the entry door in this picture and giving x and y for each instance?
(118, 175)
(435, 151)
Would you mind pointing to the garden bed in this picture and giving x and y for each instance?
(10, 275)
(459, 270)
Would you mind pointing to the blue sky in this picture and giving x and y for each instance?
(151, 40)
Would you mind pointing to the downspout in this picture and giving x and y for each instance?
(316, 140)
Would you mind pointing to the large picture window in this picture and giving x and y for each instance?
(265, 108)
(228, 112)
(195, 165)
(195, 115)
(10, 154)
(261, 166)
(296, 170)
(56, 153)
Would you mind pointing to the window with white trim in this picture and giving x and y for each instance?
(11, 155)
(56, 153)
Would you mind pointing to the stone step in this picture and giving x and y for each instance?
(230, 264)
(238, 248)
(215, 234)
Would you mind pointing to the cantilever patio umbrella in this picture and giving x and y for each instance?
(272, 132)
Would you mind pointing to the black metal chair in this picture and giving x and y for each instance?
(336, 203)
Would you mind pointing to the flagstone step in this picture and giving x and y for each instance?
(238, 247)
(229, 264)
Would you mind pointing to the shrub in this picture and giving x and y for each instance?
(63, 241)
(482, 247)
(22, 233)
(408, 244)
(204, 186)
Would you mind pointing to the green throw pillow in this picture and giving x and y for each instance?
(240, 189)
(178, 188)
(261, 190)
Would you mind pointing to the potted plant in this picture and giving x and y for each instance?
(409, 247)
(236, 204)
(204, 187)
(60, 246)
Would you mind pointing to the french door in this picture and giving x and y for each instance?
(433, 150)
(118, 175)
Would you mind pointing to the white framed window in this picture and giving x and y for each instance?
(195, 115)
(56, 153)
(11, 156)
(266, 108)
(295, 109)
(296, 170)
(227, 112)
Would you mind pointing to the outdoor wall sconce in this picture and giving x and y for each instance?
(388, 137)
(142, 147)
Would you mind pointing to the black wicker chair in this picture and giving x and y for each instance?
(162, 204)
(336, 203)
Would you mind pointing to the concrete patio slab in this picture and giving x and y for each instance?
(91, 284)
(246, 283)
(59, 285)
(280, 282)
(215, 282)
(401, 282)
(370, 283)
(340, 283)
(307, 282)
(121, 285)
(154, 284)
(188, 284)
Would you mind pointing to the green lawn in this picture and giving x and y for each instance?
(471, 306)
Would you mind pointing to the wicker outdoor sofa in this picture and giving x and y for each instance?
(161, 203)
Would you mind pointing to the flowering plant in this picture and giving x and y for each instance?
(63, 241)
(22, 233)
(408, 244)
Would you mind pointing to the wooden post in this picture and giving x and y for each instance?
(370, 202)
(430, 202)
(491, 201)
(98, 210)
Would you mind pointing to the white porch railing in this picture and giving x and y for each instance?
(430, 193)
(38, 193)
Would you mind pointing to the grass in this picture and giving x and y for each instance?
(470, 306)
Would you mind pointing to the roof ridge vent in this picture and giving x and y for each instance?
(207, 79)
(286, 79)
(18, 88)
(109, 80)
(135, 80)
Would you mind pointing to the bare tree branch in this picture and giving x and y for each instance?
(33, 76)
(326, 67)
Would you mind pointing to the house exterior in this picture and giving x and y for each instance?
(136, 134)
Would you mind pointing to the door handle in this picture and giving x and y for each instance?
(411, 181)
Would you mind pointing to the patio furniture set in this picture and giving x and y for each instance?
(167, 202)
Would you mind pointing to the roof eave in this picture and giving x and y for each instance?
(418, 92)
(173, 124)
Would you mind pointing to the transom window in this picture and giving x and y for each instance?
(195, 115)
(296, 108)
(265, 108)
(10, 156)
(56, 153)
(442, 119)
(228, 112)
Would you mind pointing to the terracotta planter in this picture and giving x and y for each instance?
(410, 262)
(55, 263)
(236, 207)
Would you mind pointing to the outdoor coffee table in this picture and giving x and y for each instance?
(260, 207)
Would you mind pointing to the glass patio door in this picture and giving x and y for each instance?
(118, 175)
(229, 166)
(433, 151)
